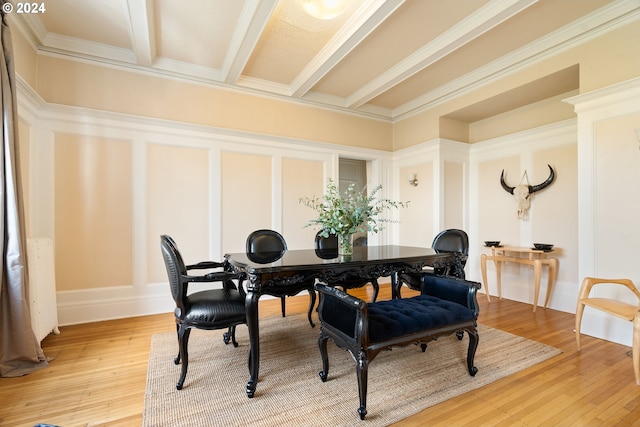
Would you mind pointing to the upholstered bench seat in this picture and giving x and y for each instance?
(446, 305)
(400, 317)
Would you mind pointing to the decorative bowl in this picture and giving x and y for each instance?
(491, 243)
(543, 246)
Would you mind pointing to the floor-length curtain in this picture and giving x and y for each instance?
(20, 352)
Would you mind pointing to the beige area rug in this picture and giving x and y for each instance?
(402, 382)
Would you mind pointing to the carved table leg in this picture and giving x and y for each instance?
(498, 264)
(537, 267)
(395, 286)
(251, 305)
(553, 267)
(312, 303)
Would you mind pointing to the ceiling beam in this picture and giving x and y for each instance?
(586, 28)
(253, 19)
(368, 17)
(476, 24)
(142, 31)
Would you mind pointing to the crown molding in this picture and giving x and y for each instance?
(606, 19)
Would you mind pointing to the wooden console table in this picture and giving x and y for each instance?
(529, 256)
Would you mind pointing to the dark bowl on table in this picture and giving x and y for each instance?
(491, 243)
(543, 246)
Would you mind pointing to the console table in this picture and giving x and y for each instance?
(289, 272)
(529, 256)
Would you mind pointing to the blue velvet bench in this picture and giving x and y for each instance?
(445, 306)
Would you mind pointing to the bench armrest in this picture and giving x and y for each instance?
(452, 289)
(342, 312)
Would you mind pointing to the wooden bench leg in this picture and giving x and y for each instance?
(322, 344)
(362, 370)
(471, 352)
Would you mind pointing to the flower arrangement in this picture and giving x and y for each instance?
(353, 212)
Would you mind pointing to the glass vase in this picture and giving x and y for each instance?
(345, 244)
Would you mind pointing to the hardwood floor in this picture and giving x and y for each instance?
(98, 374)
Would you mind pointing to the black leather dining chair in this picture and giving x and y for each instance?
(208, 309)
(452, 240)
(329, 245)
(265, 246)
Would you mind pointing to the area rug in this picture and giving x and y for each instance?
(402, 382)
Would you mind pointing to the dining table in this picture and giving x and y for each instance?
(289, 272)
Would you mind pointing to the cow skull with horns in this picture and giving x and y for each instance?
(522, 193)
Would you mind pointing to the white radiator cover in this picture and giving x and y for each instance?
(42, 287)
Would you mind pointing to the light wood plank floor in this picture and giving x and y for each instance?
(98, 374)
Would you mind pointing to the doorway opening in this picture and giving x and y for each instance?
(353, 171)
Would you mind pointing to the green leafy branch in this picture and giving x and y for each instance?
(353, 212)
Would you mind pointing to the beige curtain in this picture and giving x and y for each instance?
(20, 351)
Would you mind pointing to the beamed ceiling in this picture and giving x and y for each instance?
(386, 59)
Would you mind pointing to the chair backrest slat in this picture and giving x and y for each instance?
(175, 267)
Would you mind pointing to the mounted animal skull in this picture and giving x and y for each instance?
(522, 193)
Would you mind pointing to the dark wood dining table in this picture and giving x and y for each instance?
(290, 272)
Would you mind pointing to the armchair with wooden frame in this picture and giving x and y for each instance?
(213, 308)
(615, 307)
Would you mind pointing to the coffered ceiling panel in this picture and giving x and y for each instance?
(379, 58)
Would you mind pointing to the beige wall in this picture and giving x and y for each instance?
(300, 178)
(550, 110)
(246, 197)
(454, 195)
(555, 208)
(417, 219)
(26, 58)
(496, 211)
(93, 212)
(618, 198)
(89, 86)
(177, 203)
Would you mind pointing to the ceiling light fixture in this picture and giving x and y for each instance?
(324, 9)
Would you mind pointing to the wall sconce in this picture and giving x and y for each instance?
(413, 180)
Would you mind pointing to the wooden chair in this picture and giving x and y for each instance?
(615, 307)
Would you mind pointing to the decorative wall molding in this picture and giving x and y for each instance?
(523, 145)
(606, 103)
(534, 139)
(141, 298)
